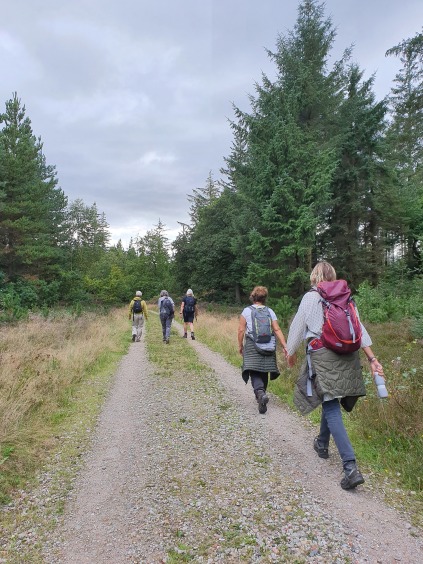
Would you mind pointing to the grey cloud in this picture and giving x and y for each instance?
(131, 98)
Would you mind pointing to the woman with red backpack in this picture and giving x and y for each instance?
(331, 376)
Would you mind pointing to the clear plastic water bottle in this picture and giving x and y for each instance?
(382, 392)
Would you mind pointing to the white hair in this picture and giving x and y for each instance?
(138, 293)
(190, 292)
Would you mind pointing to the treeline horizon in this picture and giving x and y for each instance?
(318, 169)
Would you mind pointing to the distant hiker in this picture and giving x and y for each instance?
(137, 312)
(167, 313)
(257, 331)
(189, 310)
(330, 376)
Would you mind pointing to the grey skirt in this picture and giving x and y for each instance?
(253, 360)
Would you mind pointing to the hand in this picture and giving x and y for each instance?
(291, 359)
(377, 367)
(241, 350)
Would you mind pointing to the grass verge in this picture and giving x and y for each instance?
(55, 374)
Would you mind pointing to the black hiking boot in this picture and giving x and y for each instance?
(352, 476)
(321, 449)
(192, 336)
(133, 338)
(262, 400)
(167, 341)
(185, 335)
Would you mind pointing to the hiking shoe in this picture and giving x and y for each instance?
(133, 338)
(352, 477)
(167, 341)
(262, 400)
(192, 336)
(185, 335)
(321, 449)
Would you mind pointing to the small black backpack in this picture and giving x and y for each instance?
(189, 306)
(137, 307)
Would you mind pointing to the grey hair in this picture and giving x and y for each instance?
(138, 293)
(164, 293)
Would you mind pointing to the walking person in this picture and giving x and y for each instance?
(257, 331)
(328, 378)
(138, 313)
(189, 310)
(167, 314)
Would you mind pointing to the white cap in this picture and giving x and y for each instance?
(190, 292)
(138, 293)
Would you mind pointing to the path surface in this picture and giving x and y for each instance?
(183, 468)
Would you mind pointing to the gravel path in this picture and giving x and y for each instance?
(183, 468)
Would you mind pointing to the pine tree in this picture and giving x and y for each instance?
(285, 178)
(202, 197)
(405, 140)
(362, 207)
(31, 204)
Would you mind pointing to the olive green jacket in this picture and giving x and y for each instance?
(333, 376)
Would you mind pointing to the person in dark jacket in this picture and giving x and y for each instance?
(259, 359)
(338, 377)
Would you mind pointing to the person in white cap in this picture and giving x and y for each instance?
(189, 310)
(137, 312)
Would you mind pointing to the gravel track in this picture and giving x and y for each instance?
(183, 468)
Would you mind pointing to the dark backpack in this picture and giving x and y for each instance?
(341, 327)
(189, 306)
(137, 307)
(262, 324)
(166, 307)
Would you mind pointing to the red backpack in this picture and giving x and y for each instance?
(341, 328)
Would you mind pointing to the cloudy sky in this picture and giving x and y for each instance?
(132, 98)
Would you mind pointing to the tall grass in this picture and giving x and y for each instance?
(388, 434)
(43, 362)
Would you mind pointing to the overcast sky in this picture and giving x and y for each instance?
(132, 98)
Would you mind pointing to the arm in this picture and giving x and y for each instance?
(131, 305)
(278, 333)
(241, 332)
(182, 307)
(375, 365)
(144, 309)
(196, 311)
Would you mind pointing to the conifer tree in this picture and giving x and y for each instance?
(405, 141)
(32, 206)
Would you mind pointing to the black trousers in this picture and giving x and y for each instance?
(259, 380)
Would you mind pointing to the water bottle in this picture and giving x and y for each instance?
(382, 392)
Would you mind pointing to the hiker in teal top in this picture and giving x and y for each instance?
(137, 312)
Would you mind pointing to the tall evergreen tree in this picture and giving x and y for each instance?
(362, 207)
(32, 206)
(286, 176)
(405, 140)
(87, 235)
(202, 197)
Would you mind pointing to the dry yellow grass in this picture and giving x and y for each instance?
(42, 361)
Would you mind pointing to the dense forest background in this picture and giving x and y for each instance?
(318, 169)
